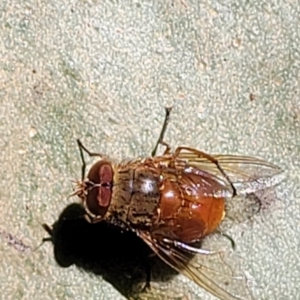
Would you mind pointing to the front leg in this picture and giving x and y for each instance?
(91, 154)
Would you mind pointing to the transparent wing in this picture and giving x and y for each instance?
(209, 271)
(247, 174)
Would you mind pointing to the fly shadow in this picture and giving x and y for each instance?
(120, 257)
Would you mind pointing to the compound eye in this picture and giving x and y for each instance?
(106, 173)
(99, 194)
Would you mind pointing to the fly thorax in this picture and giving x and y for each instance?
(145, 197)
(136, 196)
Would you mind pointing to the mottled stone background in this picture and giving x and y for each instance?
(103, 71)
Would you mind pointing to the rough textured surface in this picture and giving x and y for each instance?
(102, 71)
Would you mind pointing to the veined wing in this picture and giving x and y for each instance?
(247, 174)
(209, 271)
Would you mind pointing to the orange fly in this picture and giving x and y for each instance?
(174, 200)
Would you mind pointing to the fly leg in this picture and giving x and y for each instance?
(229, 238)
(209, 158)
(49, 230)
(162, 134)
(147, 285)
(92, 154)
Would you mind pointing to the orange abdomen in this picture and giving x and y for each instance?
(186, 216)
